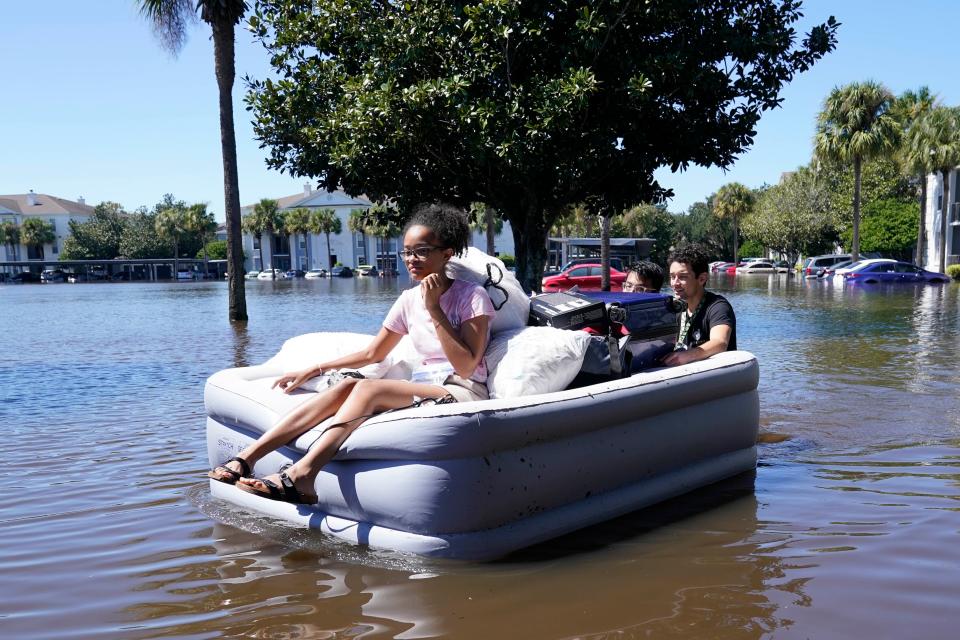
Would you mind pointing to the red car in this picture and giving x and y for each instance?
(585, 276)
(733, 267)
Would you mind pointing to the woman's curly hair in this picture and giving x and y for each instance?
(449, 225)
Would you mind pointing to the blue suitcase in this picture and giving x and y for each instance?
(646, 316)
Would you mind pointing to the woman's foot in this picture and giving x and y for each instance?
(281, 487)
(230, 471)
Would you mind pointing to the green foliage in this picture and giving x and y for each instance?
(98, 238)
(9, 233)
(648, 221)
(529, 107)
(882, 179)
(752, 249)
(889, 227)
(35, 232)
(216, 250)
(794, 217)
(699, 225)
(139, 238)
(953, 271)
(508, 260)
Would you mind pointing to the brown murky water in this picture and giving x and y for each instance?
(850, 527)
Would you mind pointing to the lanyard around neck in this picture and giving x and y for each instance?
(686, 320)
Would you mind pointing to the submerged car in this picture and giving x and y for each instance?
(272, 274)
(295, 273)
(316, 273)
(876, 271)
(341, 272)
(52, 275)
(251, 275)
(366, 270)
(584, 276)
(757, 266)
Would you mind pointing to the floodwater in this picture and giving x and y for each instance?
(850, 528)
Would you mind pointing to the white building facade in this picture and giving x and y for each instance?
(58, 212)
(934, 222)
(347, 247)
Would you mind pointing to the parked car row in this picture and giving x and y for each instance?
(584, 276)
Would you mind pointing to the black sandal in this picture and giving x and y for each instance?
(231, 476)
(284, 492)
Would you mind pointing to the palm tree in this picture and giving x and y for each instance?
(325, 221)
(358, 222)
(35, 232)
(855, 126)
(296, 222)
(265, 218)
(170, 19)
(487, 218)
(170, 225)
(937, 135)
(10, 236)
(382, 224)
(198, 221)
(732, 202)
(909, 108)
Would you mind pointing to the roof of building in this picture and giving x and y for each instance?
(318, 198)
(19, 204)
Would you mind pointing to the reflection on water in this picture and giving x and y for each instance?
(110, 532)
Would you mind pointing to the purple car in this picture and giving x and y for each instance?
(872, 272)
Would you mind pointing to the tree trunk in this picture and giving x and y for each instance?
(530, 241)
(855, 245)
(736, 241)
(176, 258)
(922, 226)
(329, 255)
(260, 242)
(604, 251)
(223, 56)
(491, 231)
(206, 263)
(944, 210)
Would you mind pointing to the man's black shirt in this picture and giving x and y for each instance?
(714, 311)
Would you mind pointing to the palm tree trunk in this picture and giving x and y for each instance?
(329, 255)
(736, 242)
(491, 231)
(604, 252)
(176, 257)
(855, 245)
(260, 242)
(206, 264)
(944, 209)
(922, 226)
(223, 56)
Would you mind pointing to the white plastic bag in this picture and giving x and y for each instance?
(508, 297)
(534, 360)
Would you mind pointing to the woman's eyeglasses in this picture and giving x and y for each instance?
(420, 253)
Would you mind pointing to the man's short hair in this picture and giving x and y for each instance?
(691, 254)
(649, 271)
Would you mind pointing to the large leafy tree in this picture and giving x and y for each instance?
(265, 218)
(700, 225)
(170, 19)
(794, 217)
(139, 238)
(527, 106)
(909, 108)
(889, 227)
(35, 232)
(855, 126)
(326, 221)
(732, 202)
(648, 221)
(297, 222)
(940, 129)
(97, 238)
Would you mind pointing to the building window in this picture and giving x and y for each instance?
(55, 249)
(256, 243)
(360, 239)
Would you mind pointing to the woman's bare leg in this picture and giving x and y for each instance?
(365, 398)
(297, 422)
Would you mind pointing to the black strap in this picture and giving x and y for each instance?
(490, 282)
(244, 467)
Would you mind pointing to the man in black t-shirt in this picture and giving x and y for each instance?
(708, 325)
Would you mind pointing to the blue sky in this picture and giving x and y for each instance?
(93, 107)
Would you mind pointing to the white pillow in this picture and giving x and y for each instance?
(313, 348)
(534, 360)
(508, 295)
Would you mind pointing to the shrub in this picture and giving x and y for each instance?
(954, 271)
(508, 260)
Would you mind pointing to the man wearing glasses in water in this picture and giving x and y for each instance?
(644, 277)
(708, 325)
